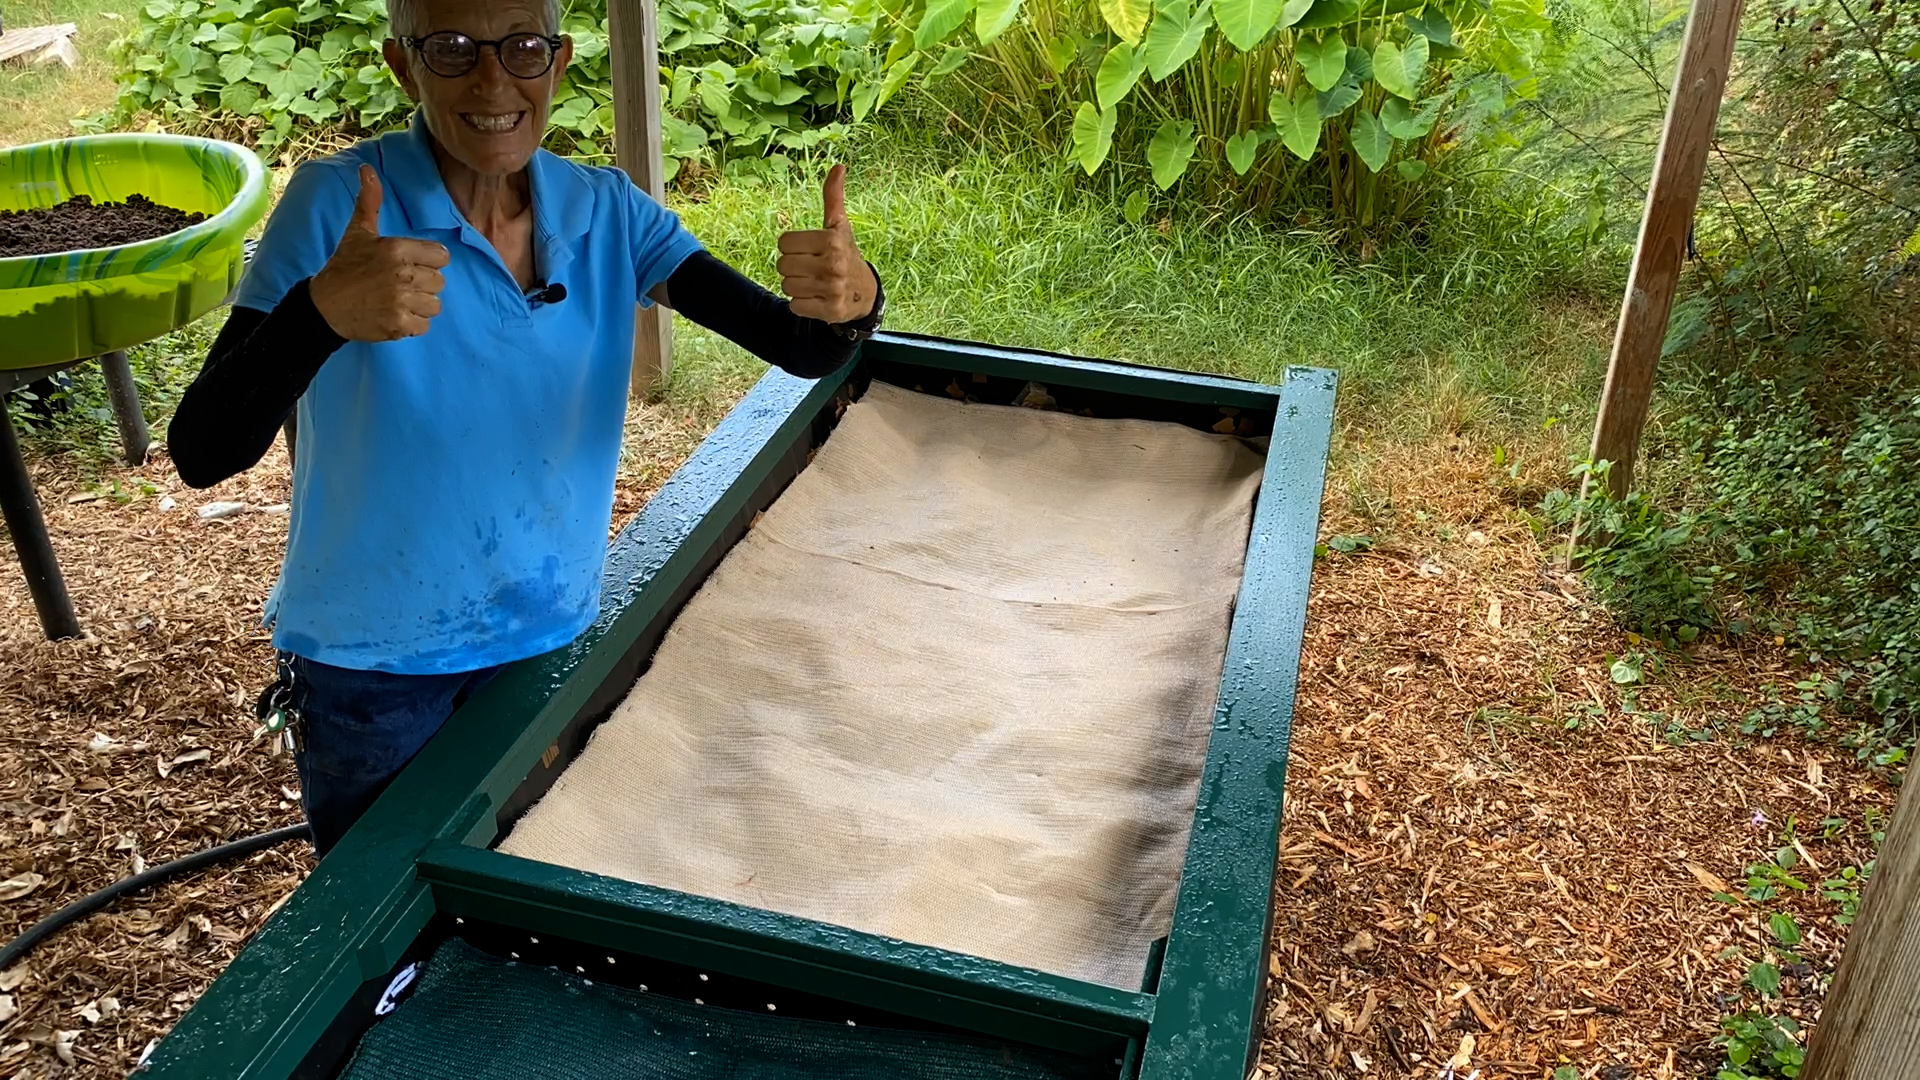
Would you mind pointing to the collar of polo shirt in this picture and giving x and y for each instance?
(562, 202)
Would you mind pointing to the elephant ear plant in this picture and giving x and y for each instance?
(1339, 104)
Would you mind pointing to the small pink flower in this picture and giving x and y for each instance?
(1759, 819)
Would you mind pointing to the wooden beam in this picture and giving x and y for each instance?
(633, 33)
(1870, 1025)
(36, 46)
(1678, 168)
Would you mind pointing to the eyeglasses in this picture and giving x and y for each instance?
(451, 54)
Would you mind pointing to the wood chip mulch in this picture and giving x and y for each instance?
(1486, 858)
(1488, 863)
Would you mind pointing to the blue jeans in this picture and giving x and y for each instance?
(358, 729)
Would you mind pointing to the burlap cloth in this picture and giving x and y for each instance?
(953, 688)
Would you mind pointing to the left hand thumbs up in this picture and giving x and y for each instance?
(822, 270)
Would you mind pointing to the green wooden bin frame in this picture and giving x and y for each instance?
(423, 852)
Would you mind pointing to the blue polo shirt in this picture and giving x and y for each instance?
(452, 492)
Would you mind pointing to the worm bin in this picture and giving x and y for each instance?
(56, 308)
(934, 726)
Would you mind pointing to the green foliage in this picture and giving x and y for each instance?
(1766, 879)
(1845, 889)
(1170, 151)
(1815, 196)
(1760, 1044)
(1783, 520)
(1760, 1041)
(1092, 136)
(1785, 931)
(1348, 109)
(162, 370)
(1781, 495)
(744, 80)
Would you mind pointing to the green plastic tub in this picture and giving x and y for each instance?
(68, 306)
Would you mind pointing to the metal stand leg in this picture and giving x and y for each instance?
(29, 531)
(126, 406)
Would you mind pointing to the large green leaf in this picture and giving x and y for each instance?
(939, 21)
(948, 64)
(992, 18)
(240, 97)
(1403, 123)
(275, 49)
(1359, 63)
(1399, 68)
(1171, 151)
(234, 68)
(1128, 18)
(1118, 72)
(1246, 22)
(1298, 119)
(1241, 150)
(233, 37)
(1327, 14)
(1295, 11)
(1341, 98)
(573, 115)
(1092, 136)
(1229, 69)
(716, 96)
(1371, 141)
(305, 68)
(1324, 59)
(1431, 24)
(896, 78)
(1175, 36)
(1060, 53)
(864, 99)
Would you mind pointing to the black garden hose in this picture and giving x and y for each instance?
(87, 905)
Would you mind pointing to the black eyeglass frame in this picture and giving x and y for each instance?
(552, 41)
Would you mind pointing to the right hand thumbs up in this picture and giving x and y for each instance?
(378, 288)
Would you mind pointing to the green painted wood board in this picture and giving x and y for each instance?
(422, 849)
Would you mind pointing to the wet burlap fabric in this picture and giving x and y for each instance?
(953, 688)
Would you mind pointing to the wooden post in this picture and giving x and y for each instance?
(1677, 171)
(1870, 1025)
(633, 48)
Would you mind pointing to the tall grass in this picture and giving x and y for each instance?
(1494, 306)
(39, 103)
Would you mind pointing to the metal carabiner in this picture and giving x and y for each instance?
(275, 708)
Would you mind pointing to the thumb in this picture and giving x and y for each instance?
(835, 196)
(366, 207)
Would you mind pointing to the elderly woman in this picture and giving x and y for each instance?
(451, 309)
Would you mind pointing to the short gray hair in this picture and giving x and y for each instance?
(405, 16)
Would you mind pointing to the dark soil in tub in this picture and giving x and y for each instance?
(81, 223)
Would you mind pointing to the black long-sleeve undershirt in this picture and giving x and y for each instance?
(263, 361)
